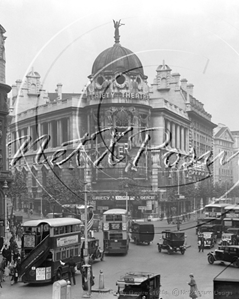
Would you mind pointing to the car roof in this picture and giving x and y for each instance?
(142, 223)
(135, 278)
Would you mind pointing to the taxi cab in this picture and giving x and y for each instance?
(138, 285)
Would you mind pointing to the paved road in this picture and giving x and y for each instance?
(174, 270)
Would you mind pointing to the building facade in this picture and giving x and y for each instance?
(235, 164)
(5, 176)
(126, 134)
(223, 140)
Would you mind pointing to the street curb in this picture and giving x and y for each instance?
(100, 290)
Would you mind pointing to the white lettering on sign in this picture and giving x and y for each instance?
(40, 274)
(100, 197)
(147, 197)
(67, 240)
(124, 198)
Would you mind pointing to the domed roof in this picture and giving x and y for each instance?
(117, 59)
(32, 73)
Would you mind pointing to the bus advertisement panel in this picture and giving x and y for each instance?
(115, 231)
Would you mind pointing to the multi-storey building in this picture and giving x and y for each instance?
(235, 164)
(223, 141)
(5, 177)
(128, 123)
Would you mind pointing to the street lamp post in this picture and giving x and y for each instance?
(86, 254)
(5, 188)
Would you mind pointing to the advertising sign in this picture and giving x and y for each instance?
(67, 240)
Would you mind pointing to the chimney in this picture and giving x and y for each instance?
(190, 88)
(59, 91)
(14, 90)
(184, 84)
(175, 81)
(18, 82)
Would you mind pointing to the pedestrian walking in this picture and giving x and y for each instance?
(6, 253)
(194, 292)
(199, 244)
(202, 243)
(71, 269)
(2, 271)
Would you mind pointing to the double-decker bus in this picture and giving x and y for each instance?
(115, 231)
(232, 218)
(44, 243)
(215, 210)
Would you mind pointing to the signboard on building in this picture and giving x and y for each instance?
(124, 198)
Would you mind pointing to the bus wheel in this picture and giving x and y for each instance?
(58, 274)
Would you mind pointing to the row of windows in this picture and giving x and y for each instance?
(67, 253)
(57, 230)
(55, 133)
(67, 229)
(225, 144)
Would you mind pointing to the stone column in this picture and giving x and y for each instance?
(173, 136)
(182, 138)
(59, 132)
(185, 140)
(169, 131)
(159, 123)
(178, 137)
(50, 134)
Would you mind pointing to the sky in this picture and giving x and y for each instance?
(62, 38)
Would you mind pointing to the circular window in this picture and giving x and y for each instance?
(120, 79)
(100, 80)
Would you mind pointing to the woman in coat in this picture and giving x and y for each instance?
(194, 293)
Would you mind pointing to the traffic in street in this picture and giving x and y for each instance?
(174, 269)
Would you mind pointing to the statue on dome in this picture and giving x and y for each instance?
(117, 24)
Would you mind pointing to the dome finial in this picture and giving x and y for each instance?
(117, 25)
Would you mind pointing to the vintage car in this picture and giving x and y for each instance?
(228, 239)
(235, 231)
(210, 239)
(142, 233)
(94, 251)
(138, 285)
(210, 228)
(225, 254)
(173, 241)
(209, 225)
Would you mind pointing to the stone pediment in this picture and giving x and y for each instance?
(225, 135)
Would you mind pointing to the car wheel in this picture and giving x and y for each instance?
(210, 259)
(236, 264)
(58, 274)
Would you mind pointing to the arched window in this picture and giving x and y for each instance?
(32, 88)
